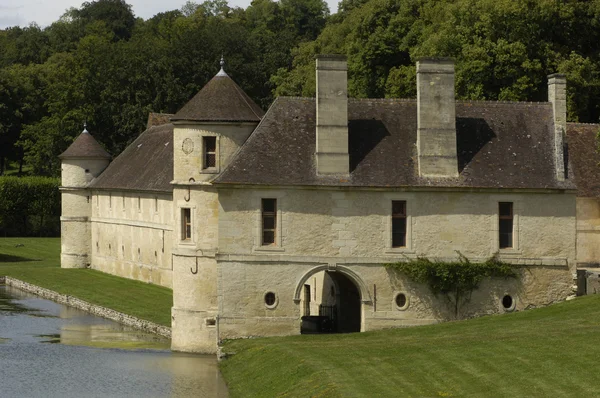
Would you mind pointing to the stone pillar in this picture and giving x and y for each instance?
(332, 115)
(557, 95)
(195, 307)
(436, 118)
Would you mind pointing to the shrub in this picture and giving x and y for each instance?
(29, 206)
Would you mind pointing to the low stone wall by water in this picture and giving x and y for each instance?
(88, 307)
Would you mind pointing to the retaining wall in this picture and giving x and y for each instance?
(88, 307)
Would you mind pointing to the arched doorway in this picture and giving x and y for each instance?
(330, 299)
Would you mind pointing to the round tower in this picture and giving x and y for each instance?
(208, 132)
(83, 161)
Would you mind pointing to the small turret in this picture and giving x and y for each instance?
(83, 161)
(208, 132)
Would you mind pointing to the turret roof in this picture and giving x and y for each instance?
(220, 100)
(85, 146)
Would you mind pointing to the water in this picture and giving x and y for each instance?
(50, 350)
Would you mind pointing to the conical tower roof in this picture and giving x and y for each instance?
(85, 146)
(220, 100)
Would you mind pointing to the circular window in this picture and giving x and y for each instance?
(270, 300)
(508, 302)
(401, 301)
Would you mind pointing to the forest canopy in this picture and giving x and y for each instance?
(101, 65)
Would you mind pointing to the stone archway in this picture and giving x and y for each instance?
(345, 314)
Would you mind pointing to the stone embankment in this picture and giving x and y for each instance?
(88, 307)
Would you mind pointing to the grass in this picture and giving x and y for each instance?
(37, 261)
(537, 353)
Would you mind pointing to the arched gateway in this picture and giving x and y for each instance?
(339, 302)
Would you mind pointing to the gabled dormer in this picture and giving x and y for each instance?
(211, 127)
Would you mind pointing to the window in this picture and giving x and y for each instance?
(505, 224)
(210, 152)
(398, 223)
(269, 221)
(186, 224)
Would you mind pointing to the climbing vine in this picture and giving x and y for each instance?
(454, 280)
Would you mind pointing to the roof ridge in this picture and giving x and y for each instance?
(242, 94)
(585, 124)
(499, 102)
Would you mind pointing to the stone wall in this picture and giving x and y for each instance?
(188, 147)
(88, 307)
(349, 232)
(132, 235)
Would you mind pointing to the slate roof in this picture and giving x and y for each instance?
(145, 165)
(584, 158)
(500, 145)
(220, 100)
(85, 146)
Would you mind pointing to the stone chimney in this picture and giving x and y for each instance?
(332, 115)
(436, 120)
(557, 95)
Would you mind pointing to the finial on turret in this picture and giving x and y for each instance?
(222, 71)
(85, 128)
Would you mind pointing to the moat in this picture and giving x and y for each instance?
(51, 350)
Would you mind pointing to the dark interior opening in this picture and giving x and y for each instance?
(343, 317)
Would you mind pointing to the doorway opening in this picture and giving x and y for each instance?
(331, 303)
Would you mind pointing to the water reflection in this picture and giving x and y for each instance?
(91, 356)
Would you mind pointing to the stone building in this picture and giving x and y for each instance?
(257, 219)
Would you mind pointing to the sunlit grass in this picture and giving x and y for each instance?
(545, 352)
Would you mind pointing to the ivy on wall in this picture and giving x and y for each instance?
(455, 280)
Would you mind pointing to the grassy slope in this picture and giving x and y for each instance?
(538, 353)
(38, 262)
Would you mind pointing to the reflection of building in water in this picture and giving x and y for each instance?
(256, 220)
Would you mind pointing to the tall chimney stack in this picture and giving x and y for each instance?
(436, 119)
(332, 115)
(557, 95)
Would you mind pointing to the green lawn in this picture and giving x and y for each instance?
(548, 352)
(38, 262)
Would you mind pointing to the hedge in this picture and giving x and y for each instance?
(29, 206)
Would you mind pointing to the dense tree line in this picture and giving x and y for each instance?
(101, 64)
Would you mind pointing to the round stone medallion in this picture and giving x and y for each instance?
(188, 146)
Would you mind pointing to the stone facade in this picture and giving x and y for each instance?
(132, 235)
(259, 214)
(350, 230)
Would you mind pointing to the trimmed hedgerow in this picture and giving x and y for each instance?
(29, 206)
(454, 280)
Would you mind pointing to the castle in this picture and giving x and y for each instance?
(257, 219)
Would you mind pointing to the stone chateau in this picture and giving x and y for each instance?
(257, 219)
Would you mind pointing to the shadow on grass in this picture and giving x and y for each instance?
(7, 258)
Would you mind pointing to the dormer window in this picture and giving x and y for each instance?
(210, 152)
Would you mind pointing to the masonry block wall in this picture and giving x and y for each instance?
(352, 229)
(131, 235)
